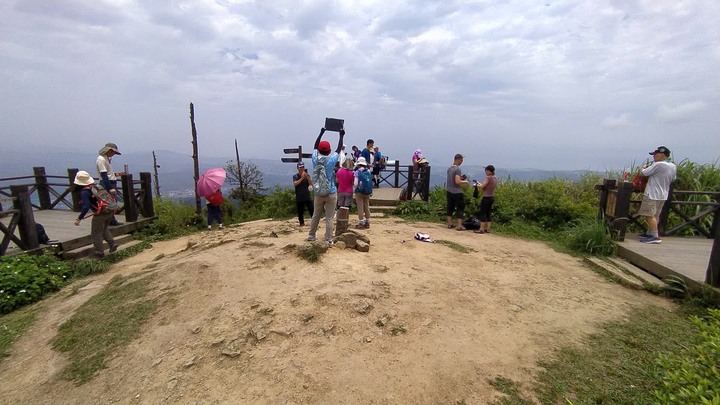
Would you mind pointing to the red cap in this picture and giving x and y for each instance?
(324, 147)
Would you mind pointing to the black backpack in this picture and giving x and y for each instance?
(471, 223)
(43, 238)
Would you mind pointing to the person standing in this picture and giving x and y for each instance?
(379, 164)
(355, 153)
(108, 177)
(363, 191)
(323, 178)
(345, 179)
(214, 201)
(417, 155)
(302, 183)
(99, 227)
(488, 188)
(661, 173)
(368, 153)
(343, 155)
(454, 193)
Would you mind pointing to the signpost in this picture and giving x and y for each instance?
(298, 151)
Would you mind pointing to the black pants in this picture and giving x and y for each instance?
(301, 209)
(485, 208)
(456, 204)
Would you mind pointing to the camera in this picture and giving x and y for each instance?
(463, 177)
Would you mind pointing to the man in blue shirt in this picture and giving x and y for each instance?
(324, 185)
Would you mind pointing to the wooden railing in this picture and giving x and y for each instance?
(619, 203)
(417, 183)
(38, 194)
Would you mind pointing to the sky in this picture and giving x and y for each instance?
(587, 85)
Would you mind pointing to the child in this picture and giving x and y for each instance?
(363, 190)
(99, 227)
(213, 206)
(345, 179)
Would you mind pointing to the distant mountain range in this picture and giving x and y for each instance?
(176, 170)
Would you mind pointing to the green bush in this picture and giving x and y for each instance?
(172, 219)
(25, 279)
(693, 377)
(590, 236)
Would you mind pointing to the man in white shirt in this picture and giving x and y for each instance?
(661, 173)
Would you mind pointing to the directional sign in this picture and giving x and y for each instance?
(307, 155)
(291, 150)
(290, 160)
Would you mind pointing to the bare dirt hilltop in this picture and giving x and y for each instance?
(407, 323)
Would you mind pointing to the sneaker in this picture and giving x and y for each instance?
(644, 235)
(360, 226)
(479, 231)
(451, 226)
(310, 238)
(652, 240)
(221, 227)
(113, 247)
(367, 225)
(209, 227)
(329, 243)
(98, 255)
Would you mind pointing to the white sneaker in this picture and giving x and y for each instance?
(329, 243)
(310, 238)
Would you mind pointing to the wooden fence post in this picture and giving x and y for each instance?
(146, 186)
(26, 223)
(75, 191)
(410, 182)
(622, 208)
(42, 187)
(426, 184)
(397, 173)
(604, 191)
(712, 276)
(131, 210)
(665, 212)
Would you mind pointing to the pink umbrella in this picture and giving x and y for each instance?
(211, 181)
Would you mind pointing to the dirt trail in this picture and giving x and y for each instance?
(409, 322)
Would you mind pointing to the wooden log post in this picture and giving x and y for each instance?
(146, 186)
(341, 224)
(604, 191)
(425, 194)
(74, 190)
(665, 212)
(26, 223)
(622, 209)
(712, 276)
(43, 188)
(397, 173)
(131, 209)
(410, 182)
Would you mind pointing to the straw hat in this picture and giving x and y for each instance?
(361, 162)
(83, 178)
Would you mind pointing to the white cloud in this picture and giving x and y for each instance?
(617, 121)
(681, 112)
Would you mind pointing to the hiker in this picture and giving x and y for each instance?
(342, 155)
(379, 165)
(454, 193)
(214, 201)
(417, 155)
(323, 179)
(355, 153)
(108, 177)
(661, 173)
(488, 198)
(345, 178)
(368, 153)
(363, 191)
(302, 183)
(99, 227)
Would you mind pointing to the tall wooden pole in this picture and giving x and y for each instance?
(157, 183)
(198, 209)
(237, 157)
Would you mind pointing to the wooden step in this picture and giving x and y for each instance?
(124, 241)
(615, 272)
(638, 272)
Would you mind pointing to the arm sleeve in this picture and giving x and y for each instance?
(105, 182)
(317, 141)
(340, 142)
(85, 196)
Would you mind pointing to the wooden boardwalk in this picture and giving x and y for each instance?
(675, 256)
(59, 225)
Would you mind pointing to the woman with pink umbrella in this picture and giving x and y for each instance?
(208, 186)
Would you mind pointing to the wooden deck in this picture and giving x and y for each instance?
(59, 226)
(675, 256)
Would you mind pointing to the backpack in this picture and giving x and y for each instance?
(321, 183)
(404, 194)
(215, 199)
(471, 223)
(43, 238)
(106, 203)
(365, 182)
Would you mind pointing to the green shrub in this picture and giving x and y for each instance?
(693, 376)
(25, 279)
(590, 236)
(172, 219)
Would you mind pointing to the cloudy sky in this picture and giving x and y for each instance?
(519, 84)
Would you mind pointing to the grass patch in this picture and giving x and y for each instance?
(13, 326)
(511, 391)
(311, 252)
(455, 246)
(619, 365)
(106, 322)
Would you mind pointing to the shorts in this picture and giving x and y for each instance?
(650, 208)
(455, 203)
(345, 200)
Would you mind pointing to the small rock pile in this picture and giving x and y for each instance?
(352, 240)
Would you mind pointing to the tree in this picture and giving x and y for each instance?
(247, 177)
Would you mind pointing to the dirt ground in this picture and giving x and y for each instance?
(407, 323)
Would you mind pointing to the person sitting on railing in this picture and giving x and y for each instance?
(108, 177)
(661, 173)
